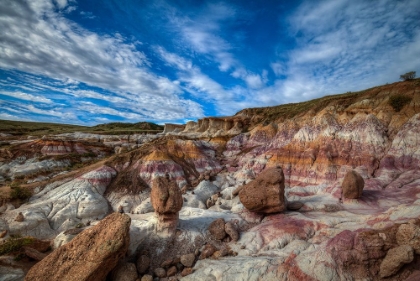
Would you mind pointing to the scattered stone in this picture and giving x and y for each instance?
(20, 217)
(237, 190)
(179, 266)
(294, 206)
(186, 271)
(73, 231)
(409, 234)
(231, 231)
(124, 272)
(160, 272)
(172, 271)
(34, 254)
(221, 253)
(102, 245)
(188, 260)
(395, 259)
(208, 251)
(209, 203)
(147, 277)
(166, 263)
(217, 229)
(143, 263)
(265, 194)
(352, 185)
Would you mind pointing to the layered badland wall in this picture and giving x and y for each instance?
(321, 236)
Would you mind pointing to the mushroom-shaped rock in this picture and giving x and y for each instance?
(265, 194)
(90, 255)
(395, 259)
(167, 201)
(352, 185)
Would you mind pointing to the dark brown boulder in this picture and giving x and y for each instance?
(217, 229)
(352, 185)
(265, 194)
(89, 256)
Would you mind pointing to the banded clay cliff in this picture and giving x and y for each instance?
(336, 184)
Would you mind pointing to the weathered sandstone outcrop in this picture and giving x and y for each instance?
(265, 194)
(89, 256)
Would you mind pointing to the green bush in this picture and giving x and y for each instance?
(18, 192)
(398, 102)
(14, 244)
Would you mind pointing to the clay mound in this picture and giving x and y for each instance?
(89, 256)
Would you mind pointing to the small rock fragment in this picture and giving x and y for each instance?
(208, 251)
(34, 254)
(186, 271)
(217, 229)
(147, 277)
(143, 263)
(231, 231)
(188, 260)
(160, 272)
(395, 259)
(294, 206)
(172, 271)
(20, 217)
(409, 234)
(124, 272)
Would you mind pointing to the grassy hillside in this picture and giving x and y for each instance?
(19, 128)
(397, 95)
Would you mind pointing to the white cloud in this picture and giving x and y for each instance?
(36, 39)
(25, 96)
(348, 45)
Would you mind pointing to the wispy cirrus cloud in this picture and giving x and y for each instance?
(349, 45)
(34, 35)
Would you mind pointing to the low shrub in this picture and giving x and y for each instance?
(18, 192)
(398, 102)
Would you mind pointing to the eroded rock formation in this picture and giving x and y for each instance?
(89, 256)
(167, 201)
(265, 194)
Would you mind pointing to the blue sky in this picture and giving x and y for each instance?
(89, 62)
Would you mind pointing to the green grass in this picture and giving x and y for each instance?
(19, 128)
(290, 110)
(14, 244)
